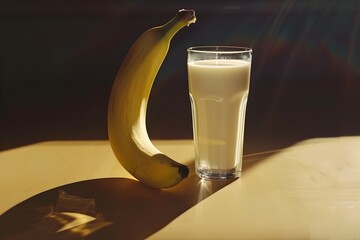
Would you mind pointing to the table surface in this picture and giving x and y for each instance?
(310, 190)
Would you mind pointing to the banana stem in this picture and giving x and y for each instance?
(183, 18)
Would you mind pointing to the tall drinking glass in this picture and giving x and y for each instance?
(219, 79)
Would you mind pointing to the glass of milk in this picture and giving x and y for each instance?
(219, 79)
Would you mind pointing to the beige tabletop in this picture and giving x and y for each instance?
(71, 189)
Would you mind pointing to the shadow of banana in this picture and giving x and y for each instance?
(109, 208)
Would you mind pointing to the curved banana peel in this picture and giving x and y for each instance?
(128, 102)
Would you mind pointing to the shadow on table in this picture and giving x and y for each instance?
(109, 208)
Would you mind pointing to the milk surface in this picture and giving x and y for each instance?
(218, 93)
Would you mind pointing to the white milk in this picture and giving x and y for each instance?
(218, 93)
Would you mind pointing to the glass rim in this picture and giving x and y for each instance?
(222, 49)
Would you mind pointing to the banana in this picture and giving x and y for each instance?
(127, 132)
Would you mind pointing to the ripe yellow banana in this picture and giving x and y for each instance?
(127, 107)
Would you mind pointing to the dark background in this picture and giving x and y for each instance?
(59, 59)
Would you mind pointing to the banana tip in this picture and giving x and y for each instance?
(184, 171)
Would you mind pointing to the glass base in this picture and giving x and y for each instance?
(218, 174)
